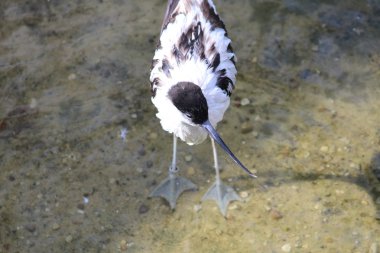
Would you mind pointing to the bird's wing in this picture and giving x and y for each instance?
(172, 4)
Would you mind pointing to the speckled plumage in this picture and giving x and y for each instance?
(193, 47)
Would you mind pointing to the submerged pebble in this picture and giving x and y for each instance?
(72, 76)
(188, 158)
(143, 209)
(246, 128)
(30, 227)
(153, 136)
(197, 208)
(56, 226)
(69, 238)
(243, 194)
(123, 245)
(245, 101)
(286, 247)
(190, 171)
(275, 214)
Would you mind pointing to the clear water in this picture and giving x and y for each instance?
(80, 147)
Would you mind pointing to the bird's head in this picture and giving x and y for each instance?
(189, 99)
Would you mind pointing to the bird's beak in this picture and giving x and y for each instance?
(214, 134)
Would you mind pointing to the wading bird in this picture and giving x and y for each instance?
(192, 78)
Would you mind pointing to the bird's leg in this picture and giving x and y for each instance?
(173, 186)
(220, 192)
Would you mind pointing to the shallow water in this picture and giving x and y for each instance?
(80, 147)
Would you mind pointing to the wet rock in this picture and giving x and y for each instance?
(143, 209)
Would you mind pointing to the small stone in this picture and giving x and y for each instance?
(112, 180)
(134, 115)
(324, 149)
(141, 151)
(275, 214)
(197, 208)
(244, 194)
(153, 136)
(246, 128)
(244, 102)
(56, 226)
(234, 207)
(30, 227)
(219, 232)
(377, 215)
(188, 158)
(80, 206)
(286, 247)
(149, 164)
(315, 48)
(267, 208)
(190, 171)
(143, 209)
(33, 103)
(123, 245)
(140, 170)
(69, 238)
(72, 76)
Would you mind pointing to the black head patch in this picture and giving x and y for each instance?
(189, 99)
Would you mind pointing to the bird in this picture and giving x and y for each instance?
(192, 77)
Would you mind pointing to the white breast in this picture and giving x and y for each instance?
(194, 68)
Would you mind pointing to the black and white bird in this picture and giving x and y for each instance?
(192, 78)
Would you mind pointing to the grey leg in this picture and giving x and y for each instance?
(173, 186)
(220, 192)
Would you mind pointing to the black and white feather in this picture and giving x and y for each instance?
(193, 49)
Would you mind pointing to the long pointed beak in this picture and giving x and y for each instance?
(214, 134)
